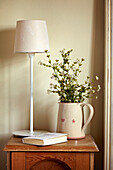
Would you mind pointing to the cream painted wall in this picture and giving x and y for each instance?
(71, 24)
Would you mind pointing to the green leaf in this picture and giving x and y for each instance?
(66, 76)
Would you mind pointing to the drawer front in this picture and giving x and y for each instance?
(57, 161)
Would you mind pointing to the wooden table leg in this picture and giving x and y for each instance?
(8, 161)
(91, 161)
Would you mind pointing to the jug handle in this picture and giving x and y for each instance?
(90, 115)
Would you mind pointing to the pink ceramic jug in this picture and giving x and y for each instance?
(70, 119)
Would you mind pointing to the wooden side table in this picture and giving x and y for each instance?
(73, 155)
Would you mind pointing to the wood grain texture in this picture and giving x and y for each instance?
(87, 145)
(18, 161)
(82, 161)
(74, 155)
(91, 161)
(78, 161)
(50, 164)
(8, 161)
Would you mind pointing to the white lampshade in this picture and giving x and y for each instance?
(31, 37)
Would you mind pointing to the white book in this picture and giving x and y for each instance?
(46, 139)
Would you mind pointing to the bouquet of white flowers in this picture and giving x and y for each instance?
(66, 75)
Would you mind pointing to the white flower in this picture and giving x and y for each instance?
(91, 87)
(85, 85)
(76, 93)
(99, 87)
(93, 91)
(78, 88)
(96, 77)
(64, 95)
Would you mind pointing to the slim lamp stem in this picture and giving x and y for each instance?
(31, 92)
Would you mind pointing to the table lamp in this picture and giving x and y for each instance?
(31, 37)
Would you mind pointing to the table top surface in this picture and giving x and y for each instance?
(86, 144)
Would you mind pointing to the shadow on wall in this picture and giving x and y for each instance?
(97, 68)
(6, 55)
(3, 156)
(46, 113)
(13, 85)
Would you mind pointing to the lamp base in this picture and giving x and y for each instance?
(27, 132)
